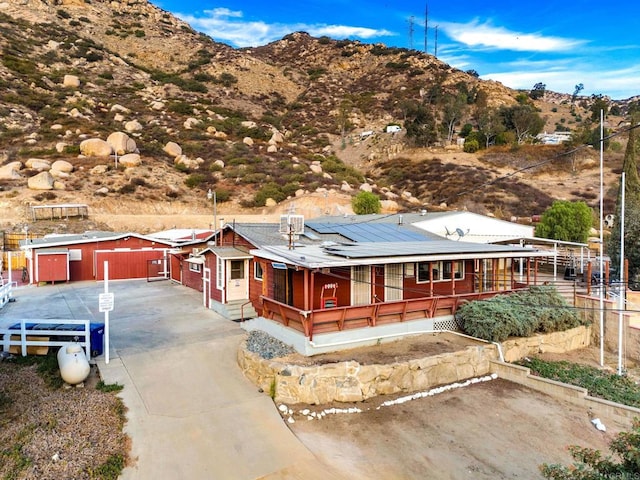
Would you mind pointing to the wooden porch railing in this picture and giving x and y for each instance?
(341, 318)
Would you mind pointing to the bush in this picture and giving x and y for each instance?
(194, 180)
(365, 203)
(471, 146)
(521, 314)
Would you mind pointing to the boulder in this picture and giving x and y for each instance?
(38, 164)
(121, 143)
(62, 166)
(191, 122)
(272, 149)
(315, 168)
(276, 137)
(133, 126)
(365, 187)
(219, 163)
(95, 147)
(157, 105)
(120, 108)
(10, 171)
(71, 81)
(249, 124)
(220, 135)
(130, 160)
(247, 141)
(211, 129)
(41, 181)
(99, 170)
(172, 149)
(60, 146)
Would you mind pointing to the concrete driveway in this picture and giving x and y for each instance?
(191, 412)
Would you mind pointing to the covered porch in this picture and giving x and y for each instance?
(314, 290)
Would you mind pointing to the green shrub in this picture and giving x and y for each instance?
(471, 146)
(270, 190)
(194, 180)
(139, 33)
(521, 314)
(366, 203)
(63, 14)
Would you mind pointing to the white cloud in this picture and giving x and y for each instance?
(223, 25)
(617, 84)
(475, 34)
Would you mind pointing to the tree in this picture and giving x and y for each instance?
(523, 120)
(566, 221)
(420, 125)
(576, 91)
(365, 202)
(591, 465)
(599, 102)
(490, 125)
(452, 110)
(538, 91)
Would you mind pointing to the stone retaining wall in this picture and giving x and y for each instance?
(575, 395)
(352, 382)
(557, 342)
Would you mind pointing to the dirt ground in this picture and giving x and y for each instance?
(489, 430)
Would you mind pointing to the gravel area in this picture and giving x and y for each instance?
(58, 433)
(266, 346)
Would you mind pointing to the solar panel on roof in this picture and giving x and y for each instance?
(369, 232)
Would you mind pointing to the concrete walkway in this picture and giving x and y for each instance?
(191, 412)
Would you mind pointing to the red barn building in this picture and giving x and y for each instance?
(81, 257)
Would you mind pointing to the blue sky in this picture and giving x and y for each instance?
(596, 43)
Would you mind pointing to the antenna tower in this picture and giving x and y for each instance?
(435, 54)
(411, 32)
(426, 27)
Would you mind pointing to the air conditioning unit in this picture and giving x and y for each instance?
(292, 224)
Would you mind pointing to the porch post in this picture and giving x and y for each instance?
(453, 278)
(312, 288)
(430, 280)
(306, 289)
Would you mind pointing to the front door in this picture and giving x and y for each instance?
(237, 280)
(393, 282)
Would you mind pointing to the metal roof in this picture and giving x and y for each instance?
(87, 237)
(229, 253)
(318, 256)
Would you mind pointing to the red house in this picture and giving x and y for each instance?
(81, 257)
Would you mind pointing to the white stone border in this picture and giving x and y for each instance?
(311, 415)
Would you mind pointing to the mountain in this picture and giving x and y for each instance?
(256, 125)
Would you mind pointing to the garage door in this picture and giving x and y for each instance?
(125, 264)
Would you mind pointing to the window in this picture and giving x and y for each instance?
(195, 267)
(237, 269)
(220, 273)
(440, 271)
(423, 271)
(258, 274)
(409, 269)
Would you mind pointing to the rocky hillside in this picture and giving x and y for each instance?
(122, 106)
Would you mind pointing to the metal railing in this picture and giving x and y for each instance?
(29, 336)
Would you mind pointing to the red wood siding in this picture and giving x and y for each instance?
(343, 292)
(52, 267)
(212, 262)
(125, 264)
(192, 279)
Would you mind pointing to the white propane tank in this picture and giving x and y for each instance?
(74, 366)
